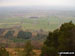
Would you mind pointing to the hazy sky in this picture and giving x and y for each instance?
(64, 3)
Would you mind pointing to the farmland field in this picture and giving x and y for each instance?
(44, 23)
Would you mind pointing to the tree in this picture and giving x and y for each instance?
(28, 50)
(24, 35)
(3, 52)
(50, 45)
(9, 34)
(62, 39)
(66, 37)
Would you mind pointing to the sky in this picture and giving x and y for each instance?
(63, 3)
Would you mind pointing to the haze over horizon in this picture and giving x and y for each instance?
(50, 3)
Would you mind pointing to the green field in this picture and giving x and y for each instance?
(46, 23)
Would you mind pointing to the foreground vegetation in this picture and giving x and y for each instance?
(62, 39)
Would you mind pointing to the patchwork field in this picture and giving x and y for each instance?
(44, 23)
